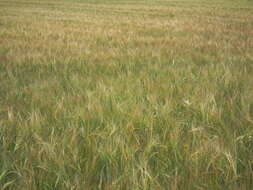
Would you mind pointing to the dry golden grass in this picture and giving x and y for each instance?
(109, 31)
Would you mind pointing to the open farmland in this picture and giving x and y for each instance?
(126, 94)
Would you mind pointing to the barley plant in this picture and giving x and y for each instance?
(126, 94)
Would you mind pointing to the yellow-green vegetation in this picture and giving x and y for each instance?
(126, 94)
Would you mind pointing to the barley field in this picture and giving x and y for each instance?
(126, 94)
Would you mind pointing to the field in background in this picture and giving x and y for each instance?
(108, 94)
